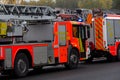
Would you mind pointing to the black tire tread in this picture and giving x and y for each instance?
(24, 58)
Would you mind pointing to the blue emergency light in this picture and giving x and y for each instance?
(104, 15)
(80, 20)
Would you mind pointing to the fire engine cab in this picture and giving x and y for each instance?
(29, 38)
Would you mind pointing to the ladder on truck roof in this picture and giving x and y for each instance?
(26, 12)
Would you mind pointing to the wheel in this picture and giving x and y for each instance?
(21, 65)
(118, 53)
(111, 58)
(73, 60)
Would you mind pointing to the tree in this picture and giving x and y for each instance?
(67, 3)
(104, 4)
(116, 4)
(30, 3)
(41, 3)
(46, 3)
(86, 4)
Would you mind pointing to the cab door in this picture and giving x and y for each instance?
(62, 42)
(84, 34)
(79, 34)
(82, 39)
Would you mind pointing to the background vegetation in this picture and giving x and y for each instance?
(71, 4)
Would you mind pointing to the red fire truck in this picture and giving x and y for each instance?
(41, 42)
(104, 38)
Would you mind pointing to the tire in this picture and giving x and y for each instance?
(73, 60)
(118, 53)
(21, 65)
(111, 58)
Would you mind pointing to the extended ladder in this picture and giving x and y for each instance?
(25, 12)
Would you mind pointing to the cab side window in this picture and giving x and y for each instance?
(75, 32)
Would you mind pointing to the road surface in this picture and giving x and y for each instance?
(100, 70)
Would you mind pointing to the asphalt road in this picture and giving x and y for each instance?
(95, 71)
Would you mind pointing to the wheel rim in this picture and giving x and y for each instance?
(73, 59)
(22, 66)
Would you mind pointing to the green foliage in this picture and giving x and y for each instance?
(41, 3)
(67, 3)
(46, 3)
(104, 4)
(116, 4)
